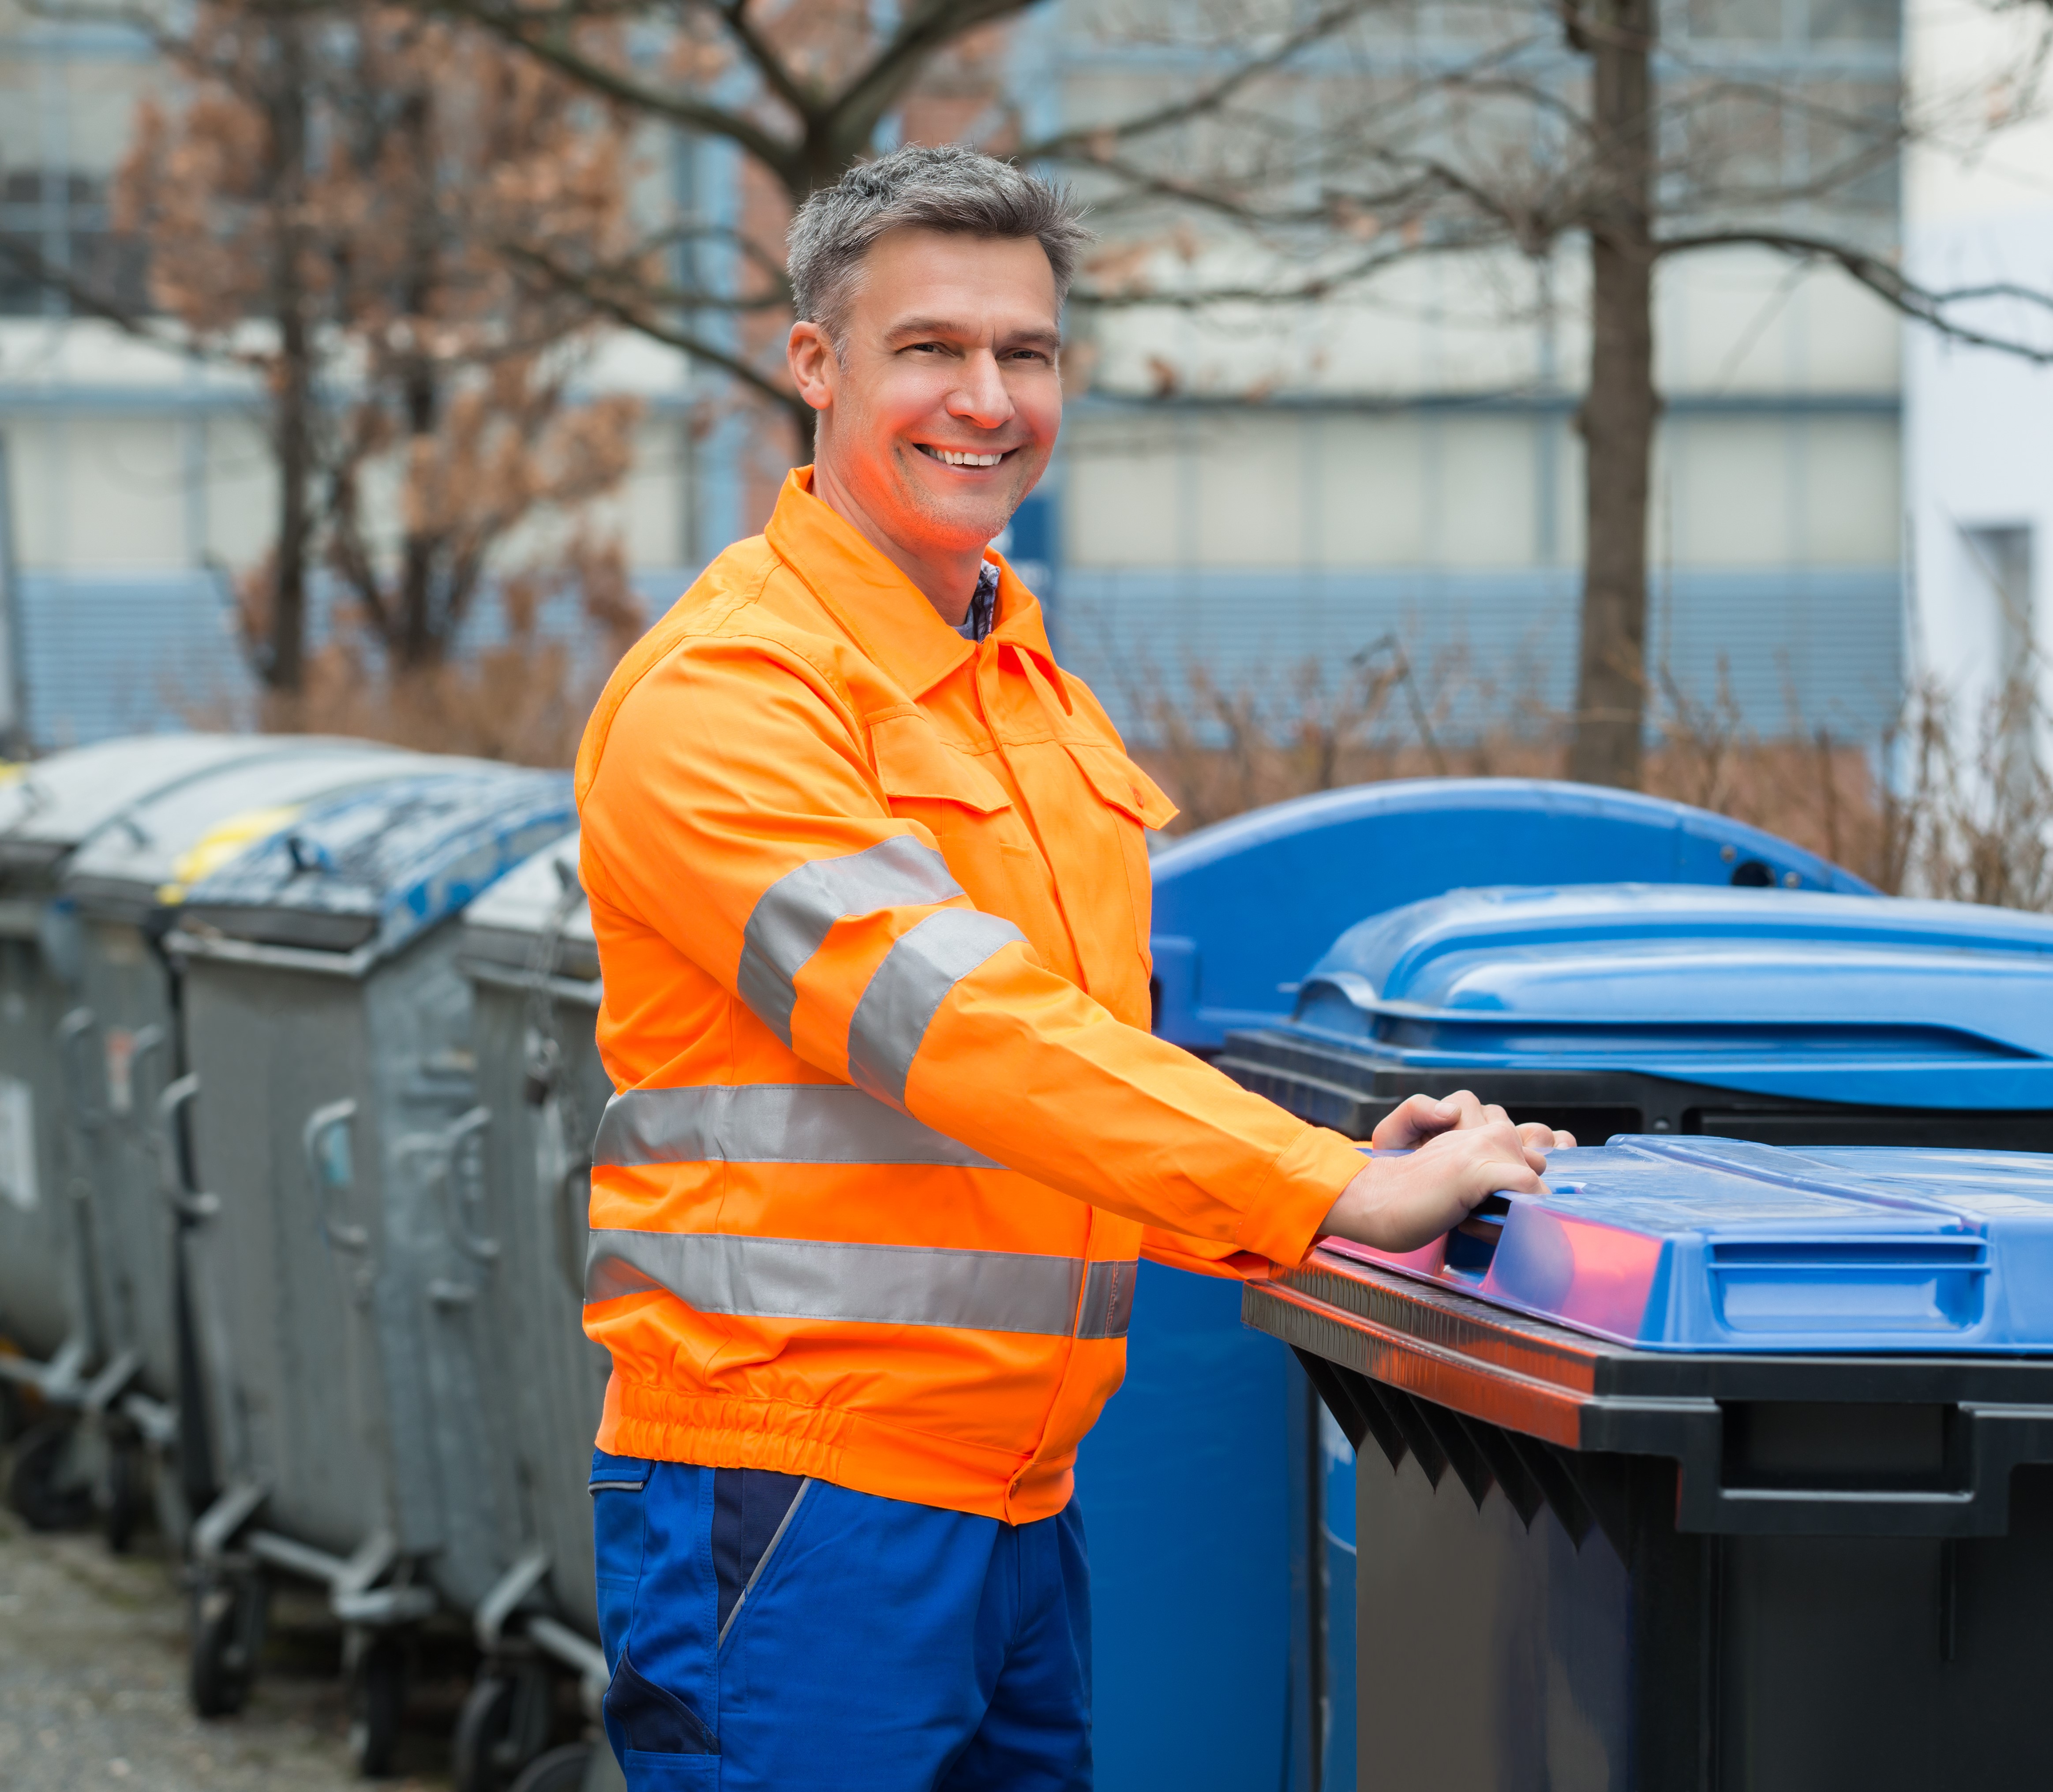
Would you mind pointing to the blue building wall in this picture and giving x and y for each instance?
(1797, 649)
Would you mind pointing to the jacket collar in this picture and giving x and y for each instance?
(888, 615)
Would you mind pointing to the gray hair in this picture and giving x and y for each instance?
(942, 187)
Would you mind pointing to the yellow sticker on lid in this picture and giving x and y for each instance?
(223, 841)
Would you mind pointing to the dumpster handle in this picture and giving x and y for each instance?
(570, 1256)
(474, 1244)
(185, 1201)
(87, 1114)
(148, 1040)
(320, 1123)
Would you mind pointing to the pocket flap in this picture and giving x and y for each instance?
(627, 1474)
(915, 763)
(1122, 784)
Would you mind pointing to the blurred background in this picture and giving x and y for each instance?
(1649, 391)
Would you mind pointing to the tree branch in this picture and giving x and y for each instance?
(552, 44)
(1080, 144)
(928, 26)
(804, 100)
(620, 310)
(1886, 281)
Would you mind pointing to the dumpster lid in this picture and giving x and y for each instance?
(1801, 994)
(48, 805)
(1697, 1243)
(371, 870)
(172, 838)
(1242, 907)
(536, 918)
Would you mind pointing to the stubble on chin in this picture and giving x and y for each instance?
(968, 526)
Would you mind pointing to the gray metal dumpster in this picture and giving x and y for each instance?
(329, 1031)
(529, 950)
(47, 810)
(123, 1056)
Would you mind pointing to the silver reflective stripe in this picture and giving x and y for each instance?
(1108, 1299)
(861, 1284)
(896, 1008)
(792, 917)
(777, 1537)
(767, 1122)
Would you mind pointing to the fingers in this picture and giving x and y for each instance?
(1416, 1119)
(1420, 1117)
(1536, 1137)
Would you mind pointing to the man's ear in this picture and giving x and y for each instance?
(814, 368)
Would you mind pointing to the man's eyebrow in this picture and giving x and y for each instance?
(912, 328)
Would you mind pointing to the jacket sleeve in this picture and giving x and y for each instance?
(730, 807)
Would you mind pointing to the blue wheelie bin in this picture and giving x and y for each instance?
(1799, 1018)
(1202, 1482)
(1718, 1465)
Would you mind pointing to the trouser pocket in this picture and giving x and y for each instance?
(660, 1740)
(662, 1709)
(657, 1773)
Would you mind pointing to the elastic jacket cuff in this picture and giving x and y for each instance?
(1303, 1183)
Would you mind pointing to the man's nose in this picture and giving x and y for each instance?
(980, 397)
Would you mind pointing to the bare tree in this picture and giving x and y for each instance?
(322, 199)
(804, 89)
(1285, 155)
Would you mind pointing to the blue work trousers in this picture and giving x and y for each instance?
(767, 1632)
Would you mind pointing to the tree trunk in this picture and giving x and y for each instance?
(281, 658)
(1619, 413)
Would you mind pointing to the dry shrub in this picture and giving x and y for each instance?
(524, 700)
(1936, 806)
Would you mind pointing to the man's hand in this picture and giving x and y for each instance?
(1420, 1117)
(1461, 1152)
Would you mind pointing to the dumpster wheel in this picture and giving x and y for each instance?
(125, 1498)
(377, 1699)
(504, 1726)
(226, 1635)
(37, 1489)
(561, 1769)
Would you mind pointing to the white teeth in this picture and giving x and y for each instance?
(963, 460)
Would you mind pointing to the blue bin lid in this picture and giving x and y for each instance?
(1242, 908)
(374, 869)
(1717, 1244)
(1892, 1003)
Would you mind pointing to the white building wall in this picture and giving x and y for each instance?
(1978, 424)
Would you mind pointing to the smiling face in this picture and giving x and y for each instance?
(941, 410)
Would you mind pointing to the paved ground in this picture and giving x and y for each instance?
(92, 1694)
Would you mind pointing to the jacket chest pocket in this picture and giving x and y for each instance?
(926, 780)
(969, 813)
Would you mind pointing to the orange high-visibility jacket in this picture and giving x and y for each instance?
(872, 905)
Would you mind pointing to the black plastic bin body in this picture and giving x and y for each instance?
(1585, 1567)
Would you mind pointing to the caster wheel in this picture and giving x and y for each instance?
(42, 1488)
(124, 1496)
(504, 1726)
(561, 1769)
(226, 1634)
(377, 1699)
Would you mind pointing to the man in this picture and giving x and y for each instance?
(871, 893)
